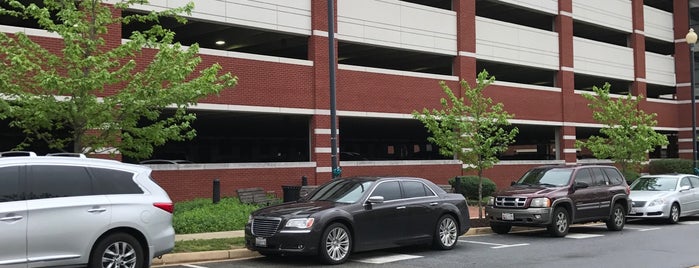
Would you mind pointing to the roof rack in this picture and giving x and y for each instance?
(79, 155)
(17, 153)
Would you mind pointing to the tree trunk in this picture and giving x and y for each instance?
(480, 193)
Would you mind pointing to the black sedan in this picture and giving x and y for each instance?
(359, 214)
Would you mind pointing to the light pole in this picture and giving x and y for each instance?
(336, 171)
(692, 40)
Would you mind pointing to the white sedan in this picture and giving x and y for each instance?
(667, 196)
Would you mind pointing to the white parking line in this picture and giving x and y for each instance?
(642, 229)
(386, 259)
(582, 236)
(496, 246)
(193, 266)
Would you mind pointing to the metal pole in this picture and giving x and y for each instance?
(333, 109)
(694, 111)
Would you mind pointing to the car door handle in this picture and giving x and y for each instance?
(434, 204)
(11, 218)
(97, 210)
(401, 207)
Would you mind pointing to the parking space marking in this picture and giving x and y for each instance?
(582, 236)
(494, 245)
(386, 259)
(193, 266)
(642, 229)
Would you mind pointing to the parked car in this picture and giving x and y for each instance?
(165, 161)
(359, 214)
(557, 196)
(76, 211)
(668, 196)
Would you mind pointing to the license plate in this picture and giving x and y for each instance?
(508, 216)
(260, 241)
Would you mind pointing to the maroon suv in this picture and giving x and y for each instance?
(557, 196)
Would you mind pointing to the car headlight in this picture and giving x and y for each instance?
(540, 202)
(305, 223)
(491, 201)
(656, 202)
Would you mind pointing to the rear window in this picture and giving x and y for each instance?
(614, 176)
(110, 181)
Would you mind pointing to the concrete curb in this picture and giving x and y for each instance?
(203, 256)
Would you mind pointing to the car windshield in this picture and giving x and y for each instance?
(654, 184)
(341, 191)
(546, 177)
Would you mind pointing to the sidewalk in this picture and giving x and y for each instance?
(175, 258)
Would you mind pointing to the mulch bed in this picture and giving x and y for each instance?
(475, 223)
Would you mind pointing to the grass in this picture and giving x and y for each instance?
(209, 244)
(202, 216)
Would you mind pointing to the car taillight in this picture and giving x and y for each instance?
(165, 206)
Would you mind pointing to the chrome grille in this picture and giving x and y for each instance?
(638, 203)
(265, 227)
(510, 202)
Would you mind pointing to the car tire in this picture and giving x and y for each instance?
(560, 222)
(674, 216)
(117, 250)
(500, 228)
(617, 219)
(446, 233)
(335, 244)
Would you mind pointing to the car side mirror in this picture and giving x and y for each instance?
(375, 199)
(581, 185)
(685, 188)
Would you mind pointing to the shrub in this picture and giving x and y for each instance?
(469, 186)
(662, 166)
(202, 215)
(630, 175)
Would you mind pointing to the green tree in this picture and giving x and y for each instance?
(628, 132)
(471, 128)
(87, 94)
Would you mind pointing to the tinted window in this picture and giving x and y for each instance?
(344, 191)
(583, 175)
(109, 181)
(544, 176)
(389, 190)
(614, 176)
(598, 176)
(58, 181)
(415, 189)
(9, 184)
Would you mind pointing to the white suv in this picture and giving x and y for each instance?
(65, 211)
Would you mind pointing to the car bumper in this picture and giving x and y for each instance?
(283, 243)
(662, 211)
(520, 217)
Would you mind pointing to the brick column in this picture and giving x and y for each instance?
(465, 61)
(638, 43)
(683, 77)
(565, 79)
(320, 122)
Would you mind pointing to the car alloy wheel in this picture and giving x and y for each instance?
(117, 251)
(446, 232)
(674, 213)
(560, 224)
(336, 244)
(617, 219)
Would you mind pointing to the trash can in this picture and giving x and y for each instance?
(291, 193)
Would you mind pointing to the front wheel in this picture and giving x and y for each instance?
(446, 233)
(560, 223)
(117, 250)
(500, 228)
(335, 244)
(617, 219)
(674, 214)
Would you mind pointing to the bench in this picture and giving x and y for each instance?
(255, 195)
